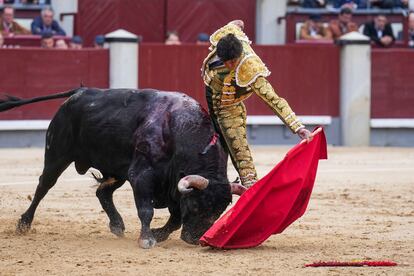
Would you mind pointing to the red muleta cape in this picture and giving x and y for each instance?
(273, 203)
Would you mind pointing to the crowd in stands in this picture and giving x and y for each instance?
(353, 4)
(52, 34)
(378, 30)
(25, 2)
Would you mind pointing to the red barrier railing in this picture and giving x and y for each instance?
(152, 19)
(32, 72)
(392, 83)
(306, 75)
(172, 68)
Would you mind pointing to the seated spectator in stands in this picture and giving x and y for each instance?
(352, 4)
(314, 4)
(203, 39)
(172, 38)
(9, 27)
(99, 41)
(47, 41)
(411, 30)
(343, 24)
(313, 29)
(61, 44)
(379, 31)
(76, 42)
(46, 23)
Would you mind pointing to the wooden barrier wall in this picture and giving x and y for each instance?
(32, 72)
(306, 75)
(151, 19)
(392, 83)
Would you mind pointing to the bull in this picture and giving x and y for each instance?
(163, 143)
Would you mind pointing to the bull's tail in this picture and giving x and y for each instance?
(8, 102)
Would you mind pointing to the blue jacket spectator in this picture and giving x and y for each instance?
(45, 23)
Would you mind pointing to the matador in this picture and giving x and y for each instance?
(232, 72)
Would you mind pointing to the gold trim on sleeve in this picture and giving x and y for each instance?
(279, 105)
(249, 69)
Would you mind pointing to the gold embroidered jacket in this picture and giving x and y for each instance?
(233, 87)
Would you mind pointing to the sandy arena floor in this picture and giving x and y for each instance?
(362, 207)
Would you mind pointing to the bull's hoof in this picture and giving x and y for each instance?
(189, 239)
(22, 227)
(160, 234)
(117, 230)
(147, 243)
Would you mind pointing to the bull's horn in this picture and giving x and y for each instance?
(183, 186)
(188, 182)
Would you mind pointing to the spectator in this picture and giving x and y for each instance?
(46, 23)
(314, 4)
(9, 27)
(411, 30)
(172, 38)
(313, 29)
(99, 41)
(61, 44)
(47, 41)
(343, 24)
(76, 42)
(379, 31)
(203, 39)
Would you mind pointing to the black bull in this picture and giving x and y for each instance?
(155, 140)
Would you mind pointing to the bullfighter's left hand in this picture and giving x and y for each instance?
(305, 134)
